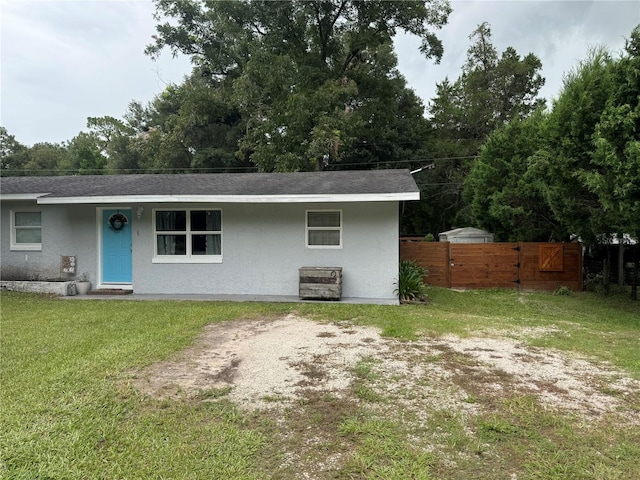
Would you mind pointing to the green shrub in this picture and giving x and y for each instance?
(562, 290)
(410, 283)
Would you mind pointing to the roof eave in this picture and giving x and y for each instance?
(291, 198)
(21, 196)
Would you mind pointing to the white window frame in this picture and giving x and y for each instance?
(14, 245)
(308, 228)
(189, 257)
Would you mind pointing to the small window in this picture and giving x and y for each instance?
(324, 229)
(26, 231)
(188, 236)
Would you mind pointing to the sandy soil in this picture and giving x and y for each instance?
(268, 364)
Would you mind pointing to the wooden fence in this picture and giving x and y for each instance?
(523, 265)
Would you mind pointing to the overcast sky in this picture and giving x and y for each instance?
(64, 61)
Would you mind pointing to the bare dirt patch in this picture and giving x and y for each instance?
(267, 364)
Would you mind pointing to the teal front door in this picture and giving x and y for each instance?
(116, 246)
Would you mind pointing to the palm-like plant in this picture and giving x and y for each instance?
(410, 282)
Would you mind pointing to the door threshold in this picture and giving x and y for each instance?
(110, 291)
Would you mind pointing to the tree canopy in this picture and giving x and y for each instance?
(491, 91)
(503, 196)
(276, 86)
(303, 85)
(577, 167)
(314, 82)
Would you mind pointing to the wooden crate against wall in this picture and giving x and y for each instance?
(320, 283)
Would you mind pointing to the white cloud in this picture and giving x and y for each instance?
(63, 61)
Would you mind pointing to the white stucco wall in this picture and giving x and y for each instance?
(263, 248)
(66, 230)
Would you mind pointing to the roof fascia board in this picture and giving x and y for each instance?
(328, 198)
(21, 196)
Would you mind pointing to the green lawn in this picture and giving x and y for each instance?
(67, 411)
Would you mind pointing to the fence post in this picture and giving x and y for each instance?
(581, 266)
(520, 250)
(636, 274)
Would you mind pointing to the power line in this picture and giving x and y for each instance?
(247, 168)
(413, 160)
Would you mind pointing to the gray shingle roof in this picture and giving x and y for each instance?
(246, 184)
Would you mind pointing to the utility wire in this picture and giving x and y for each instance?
(248, 168)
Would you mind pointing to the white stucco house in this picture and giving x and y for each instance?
(224, 234)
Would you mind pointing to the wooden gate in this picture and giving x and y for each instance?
(531, 266)
(484, 265)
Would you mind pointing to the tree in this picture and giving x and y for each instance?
(12, 154)
(84, 156)
(614, 171)
(388, 128)
(115, 138)
(504, 197)
(578, 167)
(205, 123)
(45, 159)
(80, 155)
(304, 75)
(491, 91)
(565, 159)
(188, 127)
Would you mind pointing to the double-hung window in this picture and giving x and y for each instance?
(188, 236)
(324, 228)
(26, 230)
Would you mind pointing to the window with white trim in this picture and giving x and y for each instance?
(26, 230)
(188, 236)
(324, 228)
